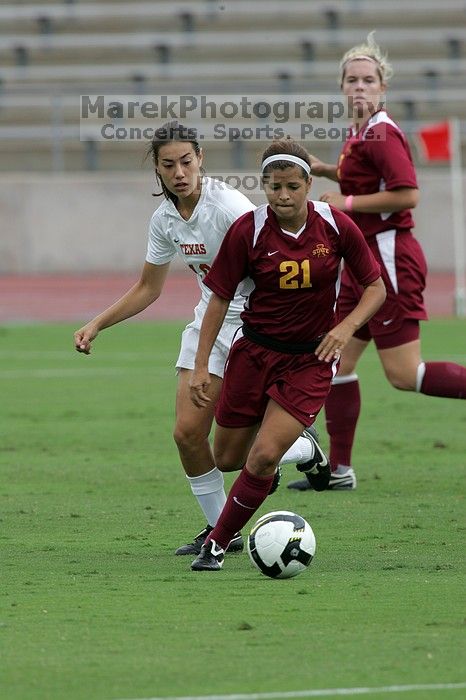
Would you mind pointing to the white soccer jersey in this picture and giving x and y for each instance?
(197, 240)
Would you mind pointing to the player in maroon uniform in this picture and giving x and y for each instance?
(285, 259)
(378, 189)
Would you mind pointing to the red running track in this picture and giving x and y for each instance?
(54, 298)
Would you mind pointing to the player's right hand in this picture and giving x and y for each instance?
(317, 166)
(84, 337)
(199, 384)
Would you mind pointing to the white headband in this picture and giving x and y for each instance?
(284, 156)
(361, 57)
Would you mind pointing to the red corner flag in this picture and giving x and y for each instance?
(436, 142)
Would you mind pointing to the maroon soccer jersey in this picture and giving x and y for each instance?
(377, 158)
(290, 281)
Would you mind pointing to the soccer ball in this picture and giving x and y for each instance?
(281, 544)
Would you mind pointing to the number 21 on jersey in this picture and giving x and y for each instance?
(295, 275)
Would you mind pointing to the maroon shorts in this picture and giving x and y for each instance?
(403, 267)
(254, 374)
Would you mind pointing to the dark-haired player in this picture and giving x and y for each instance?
(191, 223)
(286, 257)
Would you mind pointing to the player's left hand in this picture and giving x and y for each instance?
(329, 349)
(336, 199)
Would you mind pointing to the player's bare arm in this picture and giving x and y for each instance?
(335, 340)
(377, 203)
(321, 169)
(200, 379)
(141, 295)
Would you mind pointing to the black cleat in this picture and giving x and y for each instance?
(277, 477)
(210, 558)
(317, 469)
(339, 481)
(300, 485)
(194, 547)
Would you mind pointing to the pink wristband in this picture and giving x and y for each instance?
(349, 203)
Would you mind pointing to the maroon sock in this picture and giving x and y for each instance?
(444, 379)
(246, 495)
(342, 408)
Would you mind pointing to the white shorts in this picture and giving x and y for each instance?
(219, 354)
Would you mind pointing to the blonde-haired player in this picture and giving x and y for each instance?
(378, 189)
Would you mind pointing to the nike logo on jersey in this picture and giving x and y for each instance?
(387, 323)
(242, 504)
(272, 253)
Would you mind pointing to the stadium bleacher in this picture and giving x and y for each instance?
(50, 53)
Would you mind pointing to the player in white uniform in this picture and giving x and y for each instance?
(196, 241)
(191, 222)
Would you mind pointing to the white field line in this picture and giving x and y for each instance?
(324, 692)
(80, 373)
(72, 354)
(148, 355)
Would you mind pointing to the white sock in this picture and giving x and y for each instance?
(342, 468)
(210, 494)
(300, 451)
(420, 372)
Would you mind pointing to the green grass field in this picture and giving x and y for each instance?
(94, 606)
